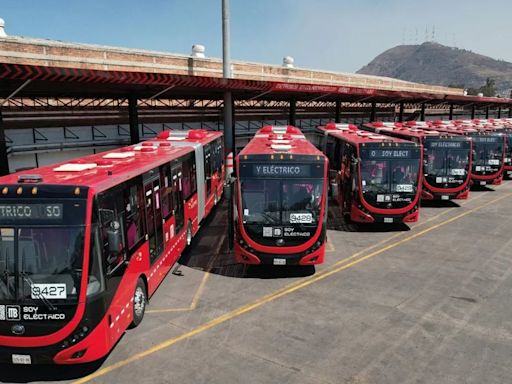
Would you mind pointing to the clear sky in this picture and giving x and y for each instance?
(339, 35)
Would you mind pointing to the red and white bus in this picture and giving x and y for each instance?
(83, 244)
(488, 150)
(375, 178)
(281, 199)
(446, 159)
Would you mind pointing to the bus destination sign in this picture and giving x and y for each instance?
(394, 153)
(288, 170)
(31, 211)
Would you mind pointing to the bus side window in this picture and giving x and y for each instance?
(96, 281)
(133, 211)
(189, 176)
(337, 154)
(112, 221)
(166, 188)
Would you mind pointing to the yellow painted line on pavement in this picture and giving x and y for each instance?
(274, 296)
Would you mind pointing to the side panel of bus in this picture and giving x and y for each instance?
(148, 217)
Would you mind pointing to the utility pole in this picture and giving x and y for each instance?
(229, 139)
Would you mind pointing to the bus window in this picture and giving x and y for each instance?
(96, 282)
(177, 190)
(113, 225)
(166, 191)
(189, 176)
(374, 176)
(208, 168)
(134, 218)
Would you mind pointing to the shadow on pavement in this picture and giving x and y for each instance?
(336, 222)
(24, 374)
(439, 204)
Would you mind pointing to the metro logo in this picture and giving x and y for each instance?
(13, 313)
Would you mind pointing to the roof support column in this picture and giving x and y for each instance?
(422, 113)
(133, 116)
(401, 112)
(373, 112)
(487, 112)
(228, 112)
(337, 114)
(4, 161)
(473, 111)
(293, 109)
(450, 117)
(499, 112)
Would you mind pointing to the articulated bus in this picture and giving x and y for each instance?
(209, 153)
(446, 159)
(375, 178)
(85, 243)
(281, 201)
(488, 151)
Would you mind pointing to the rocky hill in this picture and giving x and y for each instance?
(433, 63)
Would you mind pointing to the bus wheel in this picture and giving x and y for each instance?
(189, 233)
(139, 303)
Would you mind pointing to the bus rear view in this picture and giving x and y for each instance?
(281, 200)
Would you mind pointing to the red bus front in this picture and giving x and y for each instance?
(44, 269)
(389, 185)
(488, 158)
(446, 167)
(281, 210)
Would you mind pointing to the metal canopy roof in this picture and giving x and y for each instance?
(49, 81)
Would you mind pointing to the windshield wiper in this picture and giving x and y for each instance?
(41, 297)
(270, 219)
(8, 285)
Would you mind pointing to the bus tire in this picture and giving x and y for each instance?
(140, 300)
(189, 233)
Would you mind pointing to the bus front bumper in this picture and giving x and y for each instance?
(243, 256)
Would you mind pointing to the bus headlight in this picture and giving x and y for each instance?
(76, 336)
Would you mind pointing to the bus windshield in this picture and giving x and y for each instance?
(40, 261)
(446, 166)
(389, 183)
(277, 202)
(488, 153)
(389, 176)
(41, 252)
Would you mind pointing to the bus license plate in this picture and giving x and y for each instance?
(445, 197)
(279, 261)
(388, 219)
(483, 182)
(21, 359)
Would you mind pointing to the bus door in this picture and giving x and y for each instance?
(208, 169)
(153, 213)
(177, 191)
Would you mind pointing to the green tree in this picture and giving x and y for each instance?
(489, 89)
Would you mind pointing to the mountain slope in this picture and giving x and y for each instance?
(433, 63)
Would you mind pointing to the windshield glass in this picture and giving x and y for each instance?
(446, 166)
(488, 154)
(276, 202)
(389, 183)
(41, 250)
(38, 263)
(389, 176)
